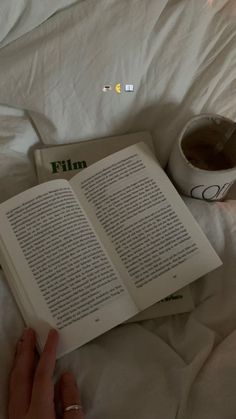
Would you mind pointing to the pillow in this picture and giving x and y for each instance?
(20, 16)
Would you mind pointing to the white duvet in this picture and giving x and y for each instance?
(181, 57)
(19, 17)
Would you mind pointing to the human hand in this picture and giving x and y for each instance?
(32, 388)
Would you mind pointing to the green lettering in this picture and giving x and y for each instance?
(55, 166)
(63, 164)
(69, 164)
(79, 165)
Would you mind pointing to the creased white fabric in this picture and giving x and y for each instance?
(17, 142)
(181, 366)
(18, 17)
(181, 57)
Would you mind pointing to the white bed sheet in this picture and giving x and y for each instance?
(181, 58)
(180, 55)
(18, 17)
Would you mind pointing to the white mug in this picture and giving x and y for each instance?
(196, 166)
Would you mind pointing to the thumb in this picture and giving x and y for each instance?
(70, 397)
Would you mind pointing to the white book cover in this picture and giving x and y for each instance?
(66, 160)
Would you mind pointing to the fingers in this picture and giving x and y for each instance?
(43, 389)
(22, 376)
(47, 361)
(70, 397)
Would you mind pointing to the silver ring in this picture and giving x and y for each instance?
(73, 407)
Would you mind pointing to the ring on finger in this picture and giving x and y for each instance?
(76, 407)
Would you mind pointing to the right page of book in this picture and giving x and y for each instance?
(148, 228)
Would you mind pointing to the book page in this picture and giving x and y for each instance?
(62, 265)
(155, 237)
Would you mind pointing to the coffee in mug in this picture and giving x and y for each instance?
(202, 163)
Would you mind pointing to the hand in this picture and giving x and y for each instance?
(32, 388)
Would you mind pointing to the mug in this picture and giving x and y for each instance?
(200, 165)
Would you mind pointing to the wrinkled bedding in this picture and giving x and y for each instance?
(181, 57)
(19, 17)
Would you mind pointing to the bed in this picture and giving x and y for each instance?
(181, 57)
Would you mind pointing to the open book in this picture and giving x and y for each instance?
(86, 255)
(63, 161)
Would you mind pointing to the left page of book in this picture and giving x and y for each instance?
(57, 267)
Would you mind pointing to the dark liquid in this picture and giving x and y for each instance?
(200, 150)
